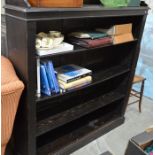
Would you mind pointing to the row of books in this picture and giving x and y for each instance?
(58, 80)
(90, 39)
(115, 34)
(120, 33)
(48, 79)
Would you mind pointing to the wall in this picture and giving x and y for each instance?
(2, 4)
(145, 62)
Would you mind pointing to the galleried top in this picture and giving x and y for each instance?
(22, 9)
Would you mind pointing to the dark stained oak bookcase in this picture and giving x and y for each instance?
(62, 123)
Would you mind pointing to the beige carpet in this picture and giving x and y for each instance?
(116, 141)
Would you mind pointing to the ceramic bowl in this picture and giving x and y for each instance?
(55, 34)
(57, 41)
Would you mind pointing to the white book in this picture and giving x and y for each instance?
(38, 78)
(64, 47)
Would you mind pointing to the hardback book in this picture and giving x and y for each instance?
(89, 43)
(123, 38)
(88, 34)
(52, 77)
(71, 72)
(38, 93)
(75, 87)
(64, 47)
(143, 139)
(73, 84)
(49, 76)
(45, 88)
(117, 29)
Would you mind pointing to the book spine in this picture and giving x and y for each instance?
(75, 83)
(55, 81)
(123, 38)
(38, 93)
(76, 87)
(45, 89)
(123, 28)
(75, 78)
(49, 77)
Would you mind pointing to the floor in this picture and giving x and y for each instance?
(116, 141)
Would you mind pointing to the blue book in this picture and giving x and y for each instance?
(49, 77)
(53, 76)
(71, 72)
(45, 89)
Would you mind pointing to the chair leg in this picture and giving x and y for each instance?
(3, 149)
(141, 96)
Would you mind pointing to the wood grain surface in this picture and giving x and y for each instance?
(56, 3)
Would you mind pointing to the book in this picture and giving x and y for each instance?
(70, 73)
(49, 77)
(45, 89)
(75, 87)
(143, 139)
(52, 76)
(117, 29)
(38, 93)
(122, 38)
(87, 34)
(64, 47)
(73, 84)
(89, 43)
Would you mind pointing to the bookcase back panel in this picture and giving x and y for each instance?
(70, 25)
(98, 59)
(107, 113)
(52, 107)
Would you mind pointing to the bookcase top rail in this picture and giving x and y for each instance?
(87, 11)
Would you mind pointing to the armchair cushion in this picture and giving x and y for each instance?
(11, 90)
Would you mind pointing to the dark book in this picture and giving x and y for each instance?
(89, 43)
(143, 139)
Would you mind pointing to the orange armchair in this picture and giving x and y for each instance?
(11, 90)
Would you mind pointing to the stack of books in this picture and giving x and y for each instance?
(47, 83)
(71, 77)
(120, 33)
(90, 39)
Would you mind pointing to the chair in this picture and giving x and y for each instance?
(11, 90)
(138, 94)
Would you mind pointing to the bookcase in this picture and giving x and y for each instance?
(62, 123)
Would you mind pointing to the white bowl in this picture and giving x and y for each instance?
(55, 34)
(57, 41)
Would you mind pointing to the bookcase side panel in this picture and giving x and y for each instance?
(20, 36)
(134, 61)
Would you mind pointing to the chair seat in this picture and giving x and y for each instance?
(138, 79)
(138, 93)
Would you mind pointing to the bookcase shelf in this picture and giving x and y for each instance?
(83, 135)
(62, 123)
(81, 130)
(98, 77)
(69, 115)
(82, 49)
